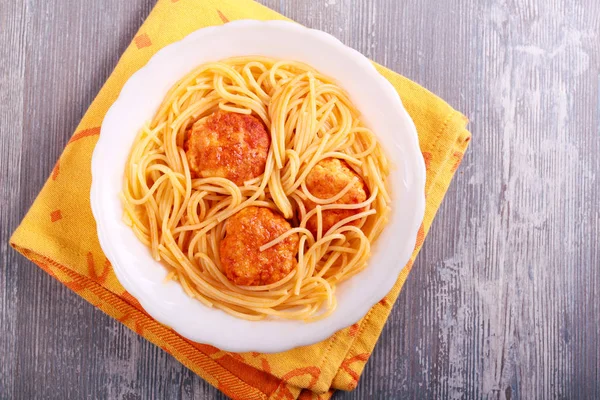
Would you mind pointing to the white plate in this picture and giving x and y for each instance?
(382, 111)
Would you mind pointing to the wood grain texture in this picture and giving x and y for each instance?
(504, 299)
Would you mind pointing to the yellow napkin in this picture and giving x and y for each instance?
(59, 233)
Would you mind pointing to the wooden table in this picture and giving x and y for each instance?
(504, 300)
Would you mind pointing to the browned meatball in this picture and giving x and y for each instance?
(227, 145)
(329, 177)
(243, 262)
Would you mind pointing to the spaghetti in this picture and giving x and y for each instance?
(182, 219)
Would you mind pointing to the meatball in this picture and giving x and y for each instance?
(329, 177)
(249, 229)
(227, 145)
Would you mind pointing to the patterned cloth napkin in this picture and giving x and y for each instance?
(59, 233)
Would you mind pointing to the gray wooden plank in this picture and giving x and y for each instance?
(502, 301)
(12, 38)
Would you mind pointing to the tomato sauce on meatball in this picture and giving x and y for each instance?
(227, 145)
(329, 177)
(241, 258)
